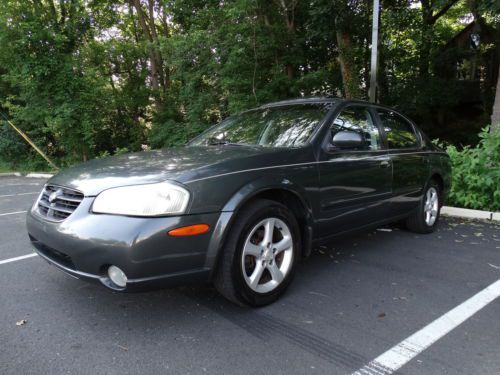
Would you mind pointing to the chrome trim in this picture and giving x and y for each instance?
(63, 203)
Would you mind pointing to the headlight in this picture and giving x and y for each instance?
(143, 200)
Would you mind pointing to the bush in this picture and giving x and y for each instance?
(476, 173)
(16, 154)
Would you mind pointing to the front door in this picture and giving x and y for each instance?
(355, 184)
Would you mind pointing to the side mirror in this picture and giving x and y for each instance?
(346, 140)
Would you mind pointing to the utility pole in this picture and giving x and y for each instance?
(372, 93)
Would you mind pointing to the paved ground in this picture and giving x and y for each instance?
(350, 302)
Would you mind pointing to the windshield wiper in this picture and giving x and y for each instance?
(218, 142)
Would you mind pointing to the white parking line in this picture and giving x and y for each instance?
(13, 195)
(10, 260)
(406, 350)
(13, 213)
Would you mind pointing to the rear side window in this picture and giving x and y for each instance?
(399, 132)
(358, 119)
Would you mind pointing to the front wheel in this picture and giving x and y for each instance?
(260, 254)
(426, 217)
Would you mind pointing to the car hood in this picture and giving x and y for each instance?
(181, 164)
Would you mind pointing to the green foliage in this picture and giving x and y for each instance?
(476, 173)
(77, 76)
(60, 91)
(4, 167)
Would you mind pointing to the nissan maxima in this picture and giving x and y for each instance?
(242, 203)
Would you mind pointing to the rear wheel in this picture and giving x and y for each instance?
(260, 254)
(426, 217)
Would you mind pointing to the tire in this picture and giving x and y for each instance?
(426, 216)
(255, 268)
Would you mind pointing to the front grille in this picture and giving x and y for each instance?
(57, 203)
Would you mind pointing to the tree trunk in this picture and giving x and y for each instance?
(495, 117)
(154, 57)
(289, 15)
(347, 65)
(425, 48)
(155, 47)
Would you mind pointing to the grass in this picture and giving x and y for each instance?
(6, 167)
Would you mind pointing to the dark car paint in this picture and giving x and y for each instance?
(337, 192)
(136, 245)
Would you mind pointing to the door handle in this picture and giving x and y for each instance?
(385, 164)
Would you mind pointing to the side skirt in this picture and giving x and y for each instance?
(322, 240)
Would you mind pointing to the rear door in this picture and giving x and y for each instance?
(410, 162)
(355, 184)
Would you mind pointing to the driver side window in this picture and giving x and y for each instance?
(358, 119)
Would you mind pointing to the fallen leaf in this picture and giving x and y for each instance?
(381, 315)
(318, 294)
(384, 229)
(21, 322)
(492, 265)
(122, 347)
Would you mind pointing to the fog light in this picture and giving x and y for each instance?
(117, 276)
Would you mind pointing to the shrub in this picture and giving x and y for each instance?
(476, 173)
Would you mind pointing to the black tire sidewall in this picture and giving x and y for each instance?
(278, 211)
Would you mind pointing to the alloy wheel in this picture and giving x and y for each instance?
(431, 206)
(267, 255)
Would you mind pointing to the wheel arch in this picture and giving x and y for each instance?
(299, 208)
(438, 178)
(280, 190)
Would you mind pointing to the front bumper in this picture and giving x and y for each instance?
(85, 245)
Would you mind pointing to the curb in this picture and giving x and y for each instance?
(29, 175)
(39, 175)
(470, 214)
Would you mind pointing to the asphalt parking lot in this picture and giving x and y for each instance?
(350, 302)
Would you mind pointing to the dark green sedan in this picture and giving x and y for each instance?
(242, 203)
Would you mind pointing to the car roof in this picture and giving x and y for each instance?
(311, 100)
(322, 99)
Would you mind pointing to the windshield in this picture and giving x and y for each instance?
(284, 126)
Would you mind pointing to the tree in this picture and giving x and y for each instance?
(160, 77)
(90, 78)
(432, 10)
(495, 117)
